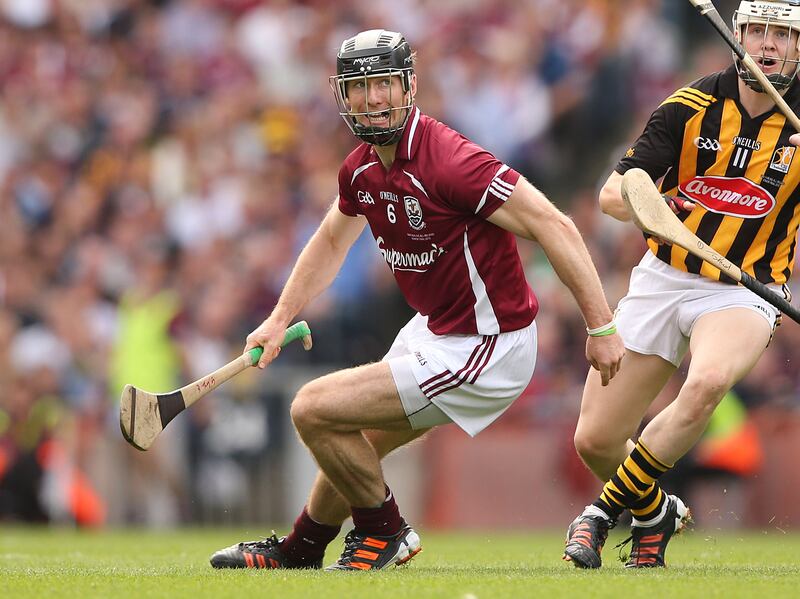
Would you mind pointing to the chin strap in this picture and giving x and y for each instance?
(779, 81)
(378, 136)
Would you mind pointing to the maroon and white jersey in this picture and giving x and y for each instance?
(428, 216)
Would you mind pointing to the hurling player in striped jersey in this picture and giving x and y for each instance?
(724, 156)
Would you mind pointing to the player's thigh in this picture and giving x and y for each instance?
(726, 344)
(364, 397)
(613, 413)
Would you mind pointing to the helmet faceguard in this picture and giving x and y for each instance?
(769, 14)
(371, 54)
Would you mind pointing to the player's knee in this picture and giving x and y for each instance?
(306, 410)
(711, 385)
(701, 394)
(593, 446)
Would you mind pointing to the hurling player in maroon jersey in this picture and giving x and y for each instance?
(722, 145)
(444, 213)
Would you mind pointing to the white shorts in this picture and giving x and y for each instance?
(467, 379)
(657, 315)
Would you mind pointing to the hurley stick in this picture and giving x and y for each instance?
(143, 415)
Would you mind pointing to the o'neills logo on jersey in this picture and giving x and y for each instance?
(735, 196)
(409, 261)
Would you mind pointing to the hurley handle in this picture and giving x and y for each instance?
(297, 331)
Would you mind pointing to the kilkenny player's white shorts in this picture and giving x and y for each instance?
(663, 304)
(467, 379)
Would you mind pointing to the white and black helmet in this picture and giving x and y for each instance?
(373, 53)
(769, 13)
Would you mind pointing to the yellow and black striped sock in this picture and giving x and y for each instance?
(634, 486)
(648, 508)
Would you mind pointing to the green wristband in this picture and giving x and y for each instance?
(610, 331)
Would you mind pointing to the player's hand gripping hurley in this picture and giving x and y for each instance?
(652, 215)
(706, 9)
(143, 415)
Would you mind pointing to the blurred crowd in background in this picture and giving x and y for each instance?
(163, 162)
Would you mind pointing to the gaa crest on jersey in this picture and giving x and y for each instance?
(414, 212)
(707, 143)
(365, 197)
(782, 159)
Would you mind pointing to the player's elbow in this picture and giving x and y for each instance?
(326, 248)
(557, 232)
(563, 226)
(613, 206)
(609, 200)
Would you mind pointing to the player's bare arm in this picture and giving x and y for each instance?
(314, 271)
(611, 202)
(611, 199)
(529, 214)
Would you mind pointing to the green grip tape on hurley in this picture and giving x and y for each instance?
(297, 331)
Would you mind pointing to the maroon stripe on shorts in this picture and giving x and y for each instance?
(480, 364)
(473, 368)
(435, 377)
(486, 361)
(430, 385)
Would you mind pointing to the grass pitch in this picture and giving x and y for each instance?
(38, 562)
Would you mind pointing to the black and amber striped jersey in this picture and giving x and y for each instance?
(740, 171)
